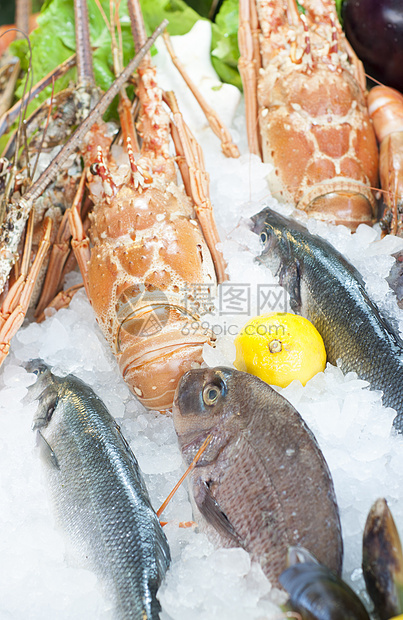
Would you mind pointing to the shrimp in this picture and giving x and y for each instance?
(386, 110)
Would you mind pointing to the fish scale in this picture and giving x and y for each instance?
(100, 496)
(327, 290)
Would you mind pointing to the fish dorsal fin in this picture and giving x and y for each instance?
(211, 511)
(392, 326)
(162, 554)
(47, 452)
(132, 459)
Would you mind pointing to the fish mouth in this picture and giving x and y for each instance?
(176, 411)
(43, 378)
(192, 445)
(36, 366)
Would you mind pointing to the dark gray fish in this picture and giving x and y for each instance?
(326, 289)
(99, 492)
(262, 481)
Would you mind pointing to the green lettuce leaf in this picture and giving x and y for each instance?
(224, 49)
(54, 40)
(338, 9)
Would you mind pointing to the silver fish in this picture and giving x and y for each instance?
(100, 496)
(262, 481)
(327, 290)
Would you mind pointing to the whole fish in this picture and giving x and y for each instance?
(99, 492)
(326, 289)
(262, 481)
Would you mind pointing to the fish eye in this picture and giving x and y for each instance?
(263, 237)
(211, 393)
(94, 168)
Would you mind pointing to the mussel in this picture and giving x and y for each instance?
(382, 561)
(316, 592)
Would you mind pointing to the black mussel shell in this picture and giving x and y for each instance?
(382, 561)
(317, 593)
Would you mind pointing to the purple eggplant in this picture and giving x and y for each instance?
(375, 30)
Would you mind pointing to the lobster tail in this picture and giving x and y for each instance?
(155, 356)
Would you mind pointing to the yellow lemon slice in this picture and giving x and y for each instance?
(279, 348)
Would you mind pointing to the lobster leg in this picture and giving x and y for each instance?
(80, 242)
(17, 300)
(249, 64)
(59, 254)
(228, 147)
(198, 180)
(62, 300)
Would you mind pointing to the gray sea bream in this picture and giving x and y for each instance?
(262, 482)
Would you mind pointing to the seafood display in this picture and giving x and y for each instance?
(274, 462)
(261, 450)
(306, 109)
(326, 289)
(99, 493)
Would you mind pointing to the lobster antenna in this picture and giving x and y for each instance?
(85, 69)
(23, 9)
(192, 465)
(51, 171)
(29, 77)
